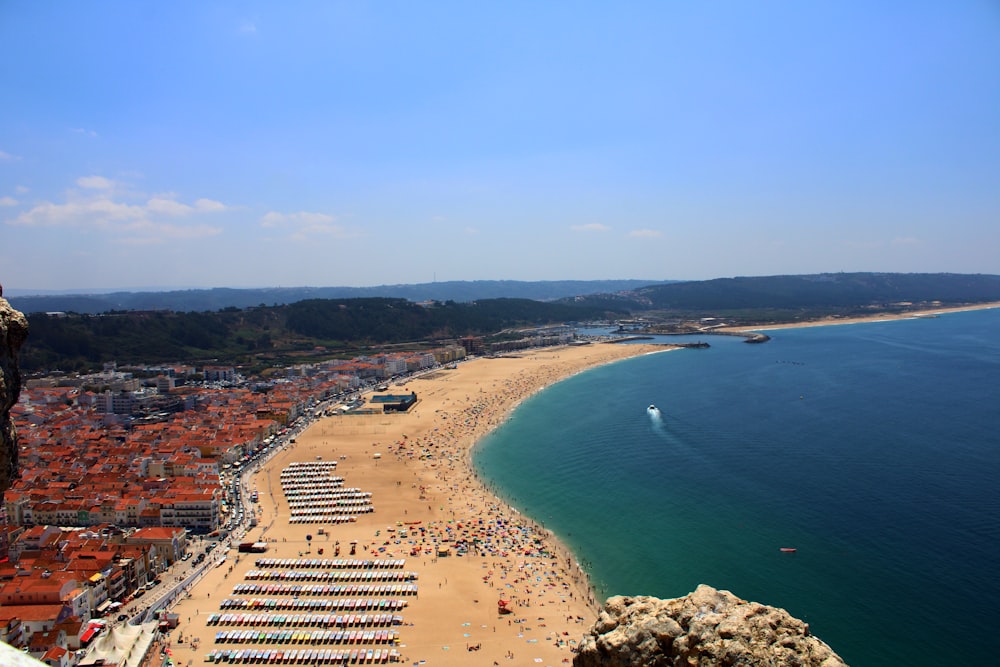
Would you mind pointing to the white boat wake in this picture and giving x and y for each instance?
(654, 414)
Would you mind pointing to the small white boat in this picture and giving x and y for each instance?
(651, 408)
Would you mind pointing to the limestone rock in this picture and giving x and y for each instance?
(707, 628)
(13, 332)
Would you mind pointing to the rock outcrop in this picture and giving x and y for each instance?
(706, 628)
(13, 332)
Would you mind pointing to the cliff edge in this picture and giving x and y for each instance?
(13, 332)
(705, 628)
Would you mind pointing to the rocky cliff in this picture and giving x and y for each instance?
(13, 331)
(706, 628)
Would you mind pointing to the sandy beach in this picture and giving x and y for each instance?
(876, 317)
(417, 468)
(416, 465)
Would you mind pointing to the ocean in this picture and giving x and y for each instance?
(872, 449)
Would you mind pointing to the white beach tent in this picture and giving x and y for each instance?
(123, 645)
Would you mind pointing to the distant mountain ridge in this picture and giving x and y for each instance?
(325, 326)
(785, 293)
(816, 292)
(202, 300)
(265, 336)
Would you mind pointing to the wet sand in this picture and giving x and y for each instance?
(417, 467)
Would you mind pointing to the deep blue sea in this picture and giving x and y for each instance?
(873, 449)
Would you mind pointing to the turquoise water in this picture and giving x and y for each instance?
(873, 449)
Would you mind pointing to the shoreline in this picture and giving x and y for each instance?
(875, 317)
(419, 468)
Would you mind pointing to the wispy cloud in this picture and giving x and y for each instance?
(95, 183)
(209, 205)
(100, 207)
(248, 27)
(98, 213)
(168, 205)
(305, 225)
(20, 189)
(84, 131)
(645, 234)
(8, 201)
(144, 232)
(590, 227)
(276, 219)
(7, 157)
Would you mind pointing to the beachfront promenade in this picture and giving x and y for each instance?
(417, 577)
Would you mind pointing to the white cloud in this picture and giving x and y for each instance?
(167, 207)
(305, 225)
(8, 201)
(167, 204)
(7, 157)
(97, 213)
(590, 227)
(103, 209)
(275, 219)
(84, 131)
(209, 205)
(248, 27)
(20, 189)
(645, 234)
(144, 232)
(95, 182)
(471, 231)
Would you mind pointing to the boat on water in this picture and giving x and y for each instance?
(787, 550)
(651, 408)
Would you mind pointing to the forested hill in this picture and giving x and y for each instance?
(282, 335)
(271, 335)
(819, 293)
(200, 300)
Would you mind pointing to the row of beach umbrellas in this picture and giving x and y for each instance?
(325, 589)
(338, 604)
(344, 505)
(306, 637)
(306, 620)
(340, 491)
(303, 656)
(332, 563)
(323, 518)
(329, 575)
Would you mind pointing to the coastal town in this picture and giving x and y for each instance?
(131, 476)
(144, 489)
(328, 513)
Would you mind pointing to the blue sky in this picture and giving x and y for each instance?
(201, 144)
